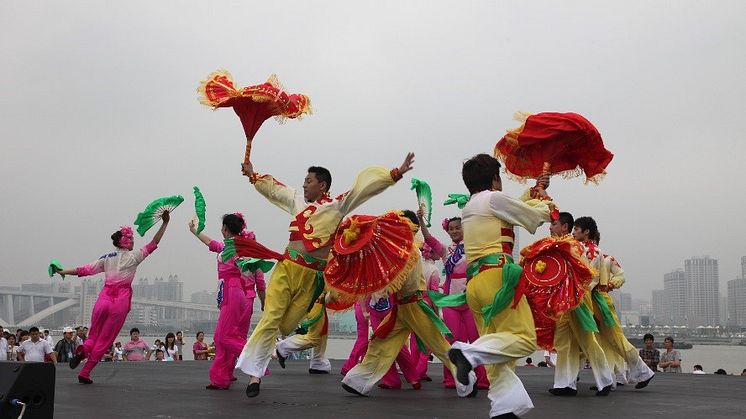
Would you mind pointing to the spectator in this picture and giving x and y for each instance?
(3, 347)
(180, 343)
(35, 349)
(18, 335)
(550, 358)
(650, 356)
(159, 355)
(156, 345)
(23, 337)
(65, 347)
(199, 349)
(529, 363)
(542, 364)
(671, 358)
(118, 352)
(48, 338)
(12, 352)
(136, 349)
(169, 348)
(698, 370)
(743, 373)
(720, 371)
(211, 351)
(79, 336)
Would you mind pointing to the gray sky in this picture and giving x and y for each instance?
(99, 115)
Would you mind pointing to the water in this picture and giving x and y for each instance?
(731, 358)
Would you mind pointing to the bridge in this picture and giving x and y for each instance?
(30, 308)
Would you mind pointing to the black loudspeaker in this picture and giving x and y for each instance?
(31, 383)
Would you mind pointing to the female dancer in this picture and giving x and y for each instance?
(113, 303)
(362, 319)
(230, 334)
(458, 319)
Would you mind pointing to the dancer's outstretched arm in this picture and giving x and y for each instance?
(166, 217)
(204, 238)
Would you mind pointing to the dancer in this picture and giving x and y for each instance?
(611, 336)
(507, 334)
(254, 286)
(457, 316)
(230, 332)
(409, 314)
(297, 281)
(432, 279)
(362, 320)
(114, 300)
(576, 330)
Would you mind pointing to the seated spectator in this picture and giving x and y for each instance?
(650, 356)
(159, 355)
(200, 348)
(720, 371)
(65, 347)
(529, 363)
(698, 370)
(136, 349)
(670, 358)
(542, 364)
(36, 349)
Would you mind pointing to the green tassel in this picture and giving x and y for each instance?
(420, 344)
(504, 296)
(437, 321)
(603, 305)
(229, 250)
(458, 199)
(318, 289)
(442, 300)
(253, 264)
(585, 318)
(308, 322)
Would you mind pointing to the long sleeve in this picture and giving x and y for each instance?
(276, 192)
(216, 246)
(370, 182)
(436, 245)
(616, 273)
(141, 254)
(90, 269)
(529, 215)
(259, 282)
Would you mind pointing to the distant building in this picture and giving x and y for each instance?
(204, 297)
(737, 302)
(703, 291)
(88, 294)
(659, 310)
(159, 290)
(743, 267)
(676, 298)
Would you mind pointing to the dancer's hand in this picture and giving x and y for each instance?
(421, 213)
(193, 225)
(543, 181)
(166, 217)
(407, 165)
(247, 169)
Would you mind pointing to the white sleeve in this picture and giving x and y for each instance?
(529, 215)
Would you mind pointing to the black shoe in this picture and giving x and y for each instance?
(510, 415)
(618, 384)
(280, 359)
(463, 366)
(75, 361)
(352, 390)
(593, 388)
(643, 384)
(315, 371)
(83, 380)
(604, 391)
(565, 391)
(252, 390)
(473, 393)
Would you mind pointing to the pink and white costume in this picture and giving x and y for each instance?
(253, 282)
(230, 333)
(361, 343)
(114, 300)
(458, 319)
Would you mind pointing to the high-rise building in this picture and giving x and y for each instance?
(737, 302)
(625, 301)
(89, 289)
(703, 288)
(160, 289)
(659, 309)
(675, 298)
(204, 297)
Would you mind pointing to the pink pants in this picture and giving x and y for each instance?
(107, 319)
(246, 319)
(230, 335)
(461, 323)
(361, 343)
(404, 359)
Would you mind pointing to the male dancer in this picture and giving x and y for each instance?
(611, 336)
(572, 332)
(297, 281)
(506, 334)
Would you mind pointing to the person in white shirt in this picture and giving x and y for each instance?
(3, 345)
(48, 338)
(12, 350)
(698, 370)
(35, 349)
(550, 358)
(118, 352)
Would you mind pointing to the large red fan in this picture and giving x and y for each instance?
(252, 104)
(551, 143)
(370, 254)
(554, 280)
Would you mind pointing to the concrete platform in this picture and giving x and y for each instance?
(176, 390)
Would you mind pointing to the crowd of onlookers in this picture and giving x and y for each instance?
(36, 345)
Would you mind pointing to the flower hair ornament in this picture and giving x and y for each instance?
(445, 223)
(247, 234)
(427, 251)
(127, 238)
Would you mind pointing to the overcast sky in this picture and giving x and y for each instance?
(99, 115)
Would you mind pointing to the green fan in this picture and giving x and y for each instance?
(53, 265)
(200, 208)
(458, 199)
(252, 264)
(424, 197)
(153, 212)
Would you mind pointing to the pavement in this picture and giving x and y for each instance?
(177, 390)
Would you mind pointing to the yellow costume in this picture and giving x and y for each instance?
(298, 280)
(315, 338)
(506, 334)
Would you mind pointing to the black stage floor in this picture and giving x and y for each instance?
(176, 390)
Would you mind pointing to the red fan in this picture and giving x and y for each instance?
(554, 280)
(370, 254)
(253, 104)
(554, 143)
